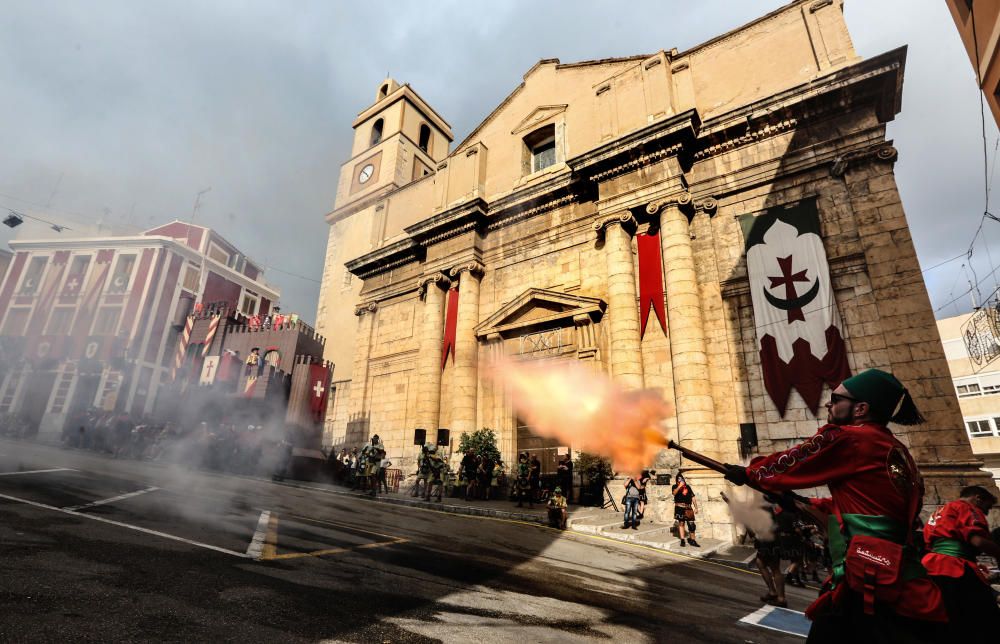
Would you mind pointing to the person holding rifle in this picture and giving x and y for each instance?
(878, 590)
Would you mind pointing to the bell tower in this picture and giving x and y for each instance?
(397, 139)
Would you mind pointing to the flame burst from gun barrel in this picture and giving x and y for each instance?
(586, 409)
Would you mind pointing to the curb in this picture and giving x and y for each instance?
(425, 505)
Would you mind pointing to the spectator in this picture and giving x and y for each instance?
(643, 499)
(534, 477)
(382, 482)
(685, 507)
(564, 474)
(631, 504)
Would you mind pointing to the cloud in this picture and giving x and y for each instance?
(138, 106)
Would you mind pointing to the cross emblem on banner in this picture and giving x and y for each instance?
(319, 388)
(788, 279)
(72, 284)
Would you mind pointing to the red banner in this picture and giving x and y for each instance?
(450, 327)
(319, 390)
(650, 281)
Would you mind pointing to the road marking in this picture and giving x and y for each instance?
(331, 551)
(156, 533)
(565, 533)
(778, 619)
(271, 538)
(256, 547)
(55, 469)
(111, 500)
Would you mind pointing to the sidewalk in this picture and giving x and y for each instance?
(601, 522)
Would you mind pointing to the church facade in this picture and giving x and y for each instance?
(720, 224)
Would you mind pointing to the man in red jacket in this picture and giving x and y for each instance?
(878, 591)
(955, 534)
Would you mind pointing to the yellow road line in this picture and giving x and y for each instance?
(343, 525)
(334, 551)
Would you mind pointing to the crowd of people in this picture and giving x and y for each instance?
(223, 447)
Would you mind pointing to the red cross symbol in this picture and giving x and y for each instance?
(788, 279)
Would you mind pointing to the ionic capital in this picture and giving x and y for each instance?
(623, 219)
(681, 200)
(438, 279)
(474, 268)
(365, 307)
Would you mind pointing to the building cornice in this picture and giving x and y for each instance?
(456, 220)
(638, 148)
(383, 259)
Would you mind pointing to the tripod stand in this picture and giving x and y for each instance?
(610, 502)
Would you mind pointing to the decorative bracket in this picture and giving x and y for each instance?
(366, 307)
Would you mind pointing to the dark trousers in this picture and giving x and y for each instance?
(973, 614)
(849, 624)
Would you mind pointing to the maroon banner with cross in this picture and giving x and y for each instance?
(319, 390)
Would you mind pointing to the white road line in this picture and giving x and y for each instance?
(111, 500)
(758, 616)
(256, 547)
(55, 469)
(126, 525)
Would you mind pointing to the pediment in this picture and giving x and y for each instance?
(538, 307)
(538, 116)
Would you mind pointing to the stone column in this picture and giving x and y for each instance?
(429, 356)
(465, 380)
(689, 358)
(357, 420)
(623, 308)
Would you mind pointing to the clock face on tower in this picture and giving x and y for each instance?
(366, 173)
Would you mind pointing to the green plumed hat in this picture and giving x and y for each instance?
(888, 398)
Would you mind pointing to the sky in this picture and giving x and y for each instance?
(118, 113)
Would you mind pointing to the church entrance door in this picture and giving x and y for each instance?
(544, 448)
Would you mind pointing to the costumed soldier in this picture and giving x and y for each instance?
(955, 534)
(522, 484)
(376, 452)
(878, 590)
(423, 471)
(435, 475)
(557, 509)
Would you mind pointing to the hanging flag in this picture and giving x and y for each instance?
(450, 327)
(250, 386)
(650, 281)
(796, 318)
(88, 306)
(209, 370)
(182, 343)
(213, 326)
(319, 390)
(229, 366)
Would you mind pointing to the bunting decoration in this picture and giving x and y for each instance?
(182, 344)
(450, 327)
(213, 326)
(650, 281)
(319, 390)
(797, 322)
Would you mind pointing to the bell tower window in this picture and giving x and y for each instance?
(425, 138)
(376, 132)
(382, 93)
(540, 149)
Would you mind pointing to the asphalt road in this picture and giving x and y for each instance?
(95, 549)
